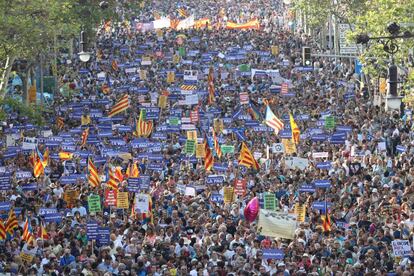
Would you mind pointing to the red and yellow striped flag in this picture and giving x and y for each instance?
(216, 144)
(93, 177)
(120, 106)
(112, 182)
(115, 66)
(182, 12)
(246, 158)
(60, 122)
(38, 168)
(3, 234)
(11, 222)
(85, 135)
(208, 156)
(211, 86)
(43, 233)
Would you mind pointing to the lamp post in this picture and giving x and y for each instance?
(83, 56)
(392, 100)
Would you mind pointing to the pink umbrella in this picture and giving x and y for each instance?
(252, 209)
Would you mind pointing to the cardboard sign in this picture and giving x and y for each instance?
(122, 201)
(228, 194)
(401, 248)
(330, 122)
(300, 211)
(94, 203)
(289, 146)
(200, 151)
(28, 258)
(269, 201)
(162, 101)
(192, 135)
(227, 149)
(70, 197)
(110, 197)
(190, 147)
(240, 187)
(170, 76)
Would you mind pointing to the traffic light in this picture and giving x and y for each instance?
(306, 56)
(392, 80)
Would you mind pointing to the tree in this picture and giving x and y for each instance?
(29, 28)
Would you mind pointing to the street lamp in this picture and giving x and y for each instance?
(393, 101)
(83, 56)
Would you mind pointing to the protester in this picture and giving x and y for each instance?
(336, 175)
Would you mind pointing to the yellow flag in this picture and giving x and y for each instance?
(295, 130)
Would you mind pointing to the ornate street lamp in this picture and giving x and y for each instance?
(393, 100)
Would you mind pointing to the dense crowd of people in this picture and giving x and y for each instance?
(178, 217)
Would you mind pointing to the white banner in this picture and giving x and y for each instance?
(277, 224)
(296, 162)
(162, 23)
(186, 23)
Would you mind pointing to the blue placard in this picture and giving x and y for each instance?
(145, 182)
(43, 211)
(103, 235)
(215, 179)
(320, 205)
(401, 148)
(307, 189)
(52, 217)
(324, 165)
(5, 206)
(273, 254)
(23, 174)
(155, 166)
(134, 185)
(92, 230)
(5, 183)
(220, 167)
(322, 183)
(29, 187)
(159, 136)
(217, 198)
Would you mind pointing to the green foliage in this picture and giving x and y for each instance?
(35, 114)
